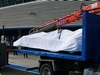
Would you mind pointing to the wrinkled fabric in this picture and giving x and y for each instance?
(63, 40)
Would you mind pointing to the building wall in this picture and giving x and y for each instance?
(17, 16)
(4, 3)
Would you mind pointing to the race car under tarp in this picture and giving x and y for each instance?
(58, 40)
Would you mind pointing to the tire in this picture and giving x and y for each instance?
(46, 69)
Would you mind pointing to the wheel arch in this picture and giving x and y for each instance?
(50, 62)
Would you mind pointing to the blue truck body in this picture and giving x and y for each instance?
(90, 42)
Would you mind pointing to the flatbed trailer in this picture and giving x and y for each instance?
(61, 63)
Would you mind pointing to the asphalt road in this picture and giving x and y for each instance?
(10, 71)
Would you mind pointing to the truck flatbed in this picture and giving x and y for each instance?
(90, 41)
(51, 54)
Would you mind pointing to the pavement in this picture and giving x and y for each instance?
(31, 61)
(18, 65)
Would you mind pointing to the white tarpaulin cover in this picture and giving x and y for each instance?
(62, 40)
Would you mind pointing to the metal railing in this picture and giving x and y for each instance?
(4, 3)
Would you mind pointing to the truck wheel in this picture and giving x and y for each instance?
(46, 69)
